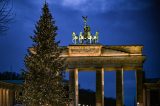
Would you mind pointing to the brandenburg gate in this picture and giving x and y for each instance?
(87, 54)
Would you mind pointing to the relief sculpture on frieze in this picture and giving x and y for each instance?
(85, 50)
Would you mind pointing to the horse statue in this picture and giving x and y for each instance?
(89, 37)
(95, 38)
(81, 38)
(74, 38)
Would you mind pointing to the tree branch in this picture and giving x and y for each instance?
(5, 15)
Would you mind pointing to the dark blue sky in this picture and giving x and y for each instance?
(119, 22)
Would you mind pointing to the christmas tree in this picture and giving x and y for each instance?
(44, 76)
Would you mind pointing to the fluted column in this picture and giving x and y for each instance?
(119, 88)
(100, 87)
(148, 97)
(1, 97)
(73, 79)
(12, 97)
(139, 84)
(76, 87)
(4, 97)
(7, 98)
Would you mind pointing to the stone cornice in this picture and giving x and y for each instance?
(96, 55)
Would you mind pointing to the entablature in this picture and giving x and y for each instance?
(101, 50)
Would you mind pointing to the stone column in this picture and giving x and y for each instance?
(139, 84)
(11, 93)
(100, 87)
(73, 79)
(7, 98)
(71, 87)
(1, 97)
(147, 97)
(4, 97)
(76, 87)
(119, 88)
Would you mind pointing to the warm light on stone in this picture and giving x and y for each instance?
(98, 58)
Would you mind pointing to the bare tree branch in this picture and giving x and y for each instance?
(5, 14)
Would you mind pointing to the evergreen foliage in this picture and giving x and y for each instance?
(44, 75)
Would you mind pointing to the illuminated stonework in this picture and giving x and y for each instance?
(109, 57)
(8, 93)
(102, 58)
(85, 50)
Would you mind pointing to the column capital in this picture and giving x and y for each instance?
(99, 68)
(120, 69)
(139, 68)
(72, 69)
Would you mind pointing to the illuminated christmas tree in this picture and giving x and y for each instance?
(44, 75)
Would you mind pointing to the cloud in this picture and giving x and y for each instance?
(105, 5)
(73, 2)
(83, 5)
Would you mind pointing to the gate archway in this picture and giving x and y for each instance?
(81, 57)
